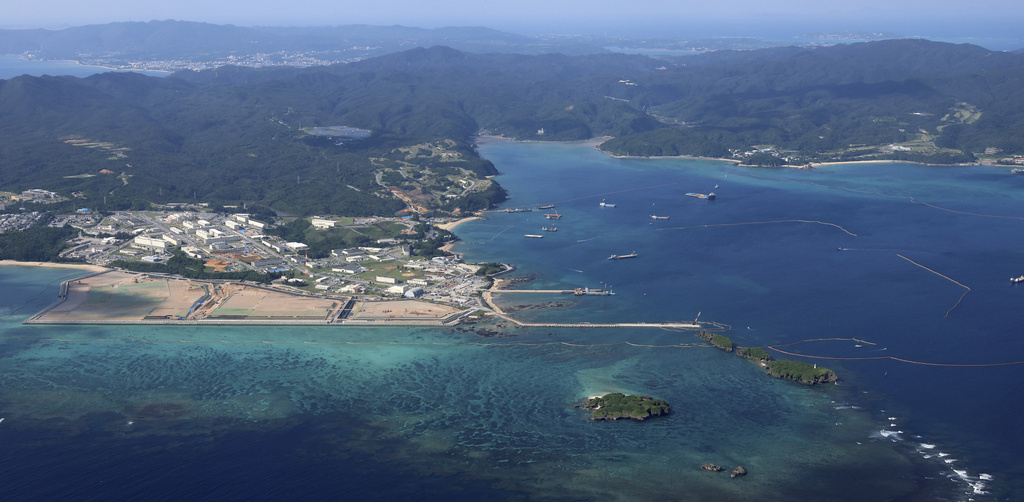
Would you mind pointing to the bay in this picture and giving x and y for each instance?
(117, 412)
(12, 66)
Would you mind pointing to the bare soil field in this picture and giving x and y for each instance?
(236, 300)
(400, 310)
(121, 295)
(125, 297)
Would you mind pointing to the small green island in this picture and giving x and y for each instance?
(618, 405)
(779, 368)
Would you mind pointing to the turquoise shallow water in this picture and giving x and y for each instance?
(117, 412)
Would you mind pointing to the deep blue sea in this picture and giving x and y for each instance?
(904, 268)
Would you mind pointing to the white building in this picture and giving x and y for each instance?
(150, 242)
(350, 269)
(398, 290)
(322, 223)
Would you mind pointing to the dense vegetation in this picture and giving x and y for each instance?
(433, 239)
(720, 341)
(819, 103)
(37, 243)
(617, 405)
(755, 353)
(490, 268)
(784, 368)
(237, 135)
(763, 160)
(799, 371)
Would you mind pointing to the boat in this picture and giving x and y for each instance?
(1017, 171)
(533, 236)
(1016, 280)
(622, 256)
(554, 216)
(606, 204)
(705, 196)
(552, 228)
(593, 292)
(549, 206)
(653, 217)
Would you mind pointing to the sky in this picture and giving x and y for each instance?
(947, 18)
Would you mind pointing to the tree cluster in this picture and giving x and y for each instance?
(618, 405)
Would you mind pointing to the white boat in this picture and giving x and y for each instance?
(606, 204)
(533, 236)
(623, 256)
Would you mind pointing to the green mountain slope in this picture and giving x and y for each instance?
(238, 135)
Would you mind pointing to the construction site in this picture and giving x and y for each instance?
(117, 297)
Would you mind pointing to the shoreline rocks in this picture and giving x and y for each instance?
(737, 472)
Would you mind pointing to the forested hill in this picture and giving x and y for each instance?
(239, 135)
(839, 101)
(234, 135)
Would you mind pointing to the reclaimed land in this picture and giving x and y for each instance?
(117, 297)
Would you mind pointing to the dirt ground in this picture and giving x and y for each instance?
(235, 299)
(122, 295)
(400, 309)
(218, 264)
(128, 296)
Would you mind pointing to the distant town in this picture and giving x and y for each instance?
(298, 59)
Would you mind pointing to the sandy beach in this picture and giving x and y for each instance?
(452, 224)
(80, 266)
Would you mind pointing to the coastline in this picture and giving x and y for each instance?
(736, 162)
(101, 68)
(79, 266)
(452, 224)
(888, 161)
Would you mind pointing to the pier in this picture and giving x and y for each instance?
(547, 291)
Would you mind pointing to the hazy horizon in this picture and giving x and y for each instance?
(940, 19)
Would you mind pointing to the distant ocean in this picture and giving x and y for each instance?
(13, 66)
(894, 275)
